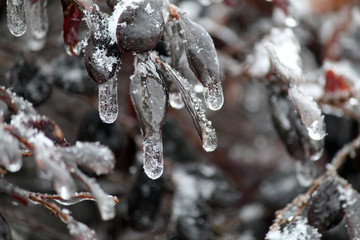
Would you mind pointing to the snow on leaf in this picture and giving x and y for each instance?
(297, 230)
(281, 50)
(92, 156)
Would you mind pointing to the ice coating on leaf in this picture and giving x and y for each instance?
(325, 206)
(80, 231)
(280, 49)
(309, 112)
(299, 230)
(37, 18)
(105, 202)
(102, 57)
(16, 22)
(93, 156)
(140, 25)
(203, 61)
(175, 100)
(194, 106)
(108, 100)
(153, 155)
(10, 152)
(148, 95)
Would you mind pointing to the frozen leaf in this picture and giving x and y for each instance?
(289, 126)
(16, 22)
(282, 4)
(80, 231)
(194, 106)
(37, 18)
(336, 89)
(203, 61)
(71, 22)
(297, 230)
(10, 151)
(140, 25)
(92, 156)
(325, 207)
(105, 202)
(102, 57)
(309, 112)
(16, 103)
(281, 50)
(149, 97)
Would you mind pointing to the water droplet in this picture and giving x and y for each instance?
(73, 50)
(63, 190)
(16, 17)
(108, 103)
(209, 139)
(290, 22)
(14, 165)
(305, 172)
(316, 130)
(175, 100)
(317, 155)
(214, 97)
(153, 155)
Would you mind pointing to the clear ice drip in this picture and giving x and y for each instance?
(175, 100)
(153, 155)
(10, 152)
(16, 17)
(108, 101)
(214, 97)
(37, 18)
(194, 106)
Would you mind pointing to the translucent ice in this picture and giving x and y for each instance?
(175, 100)
(153, 155)
(16, 17)
(108, 102)
(214, 97)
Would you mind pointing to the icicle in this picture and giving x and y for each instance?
(10, 152)
(214, 97)
(37, 18)
(153, 155)
(175, 100)
(16, 17)
(209, 139)
(108, 102)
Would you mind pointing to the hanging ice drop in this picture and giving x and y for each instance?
(214, 97)
(108, 102)
(153, 155)
(37, 18)
(175, 100)
(16, 17)
(209, 139)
